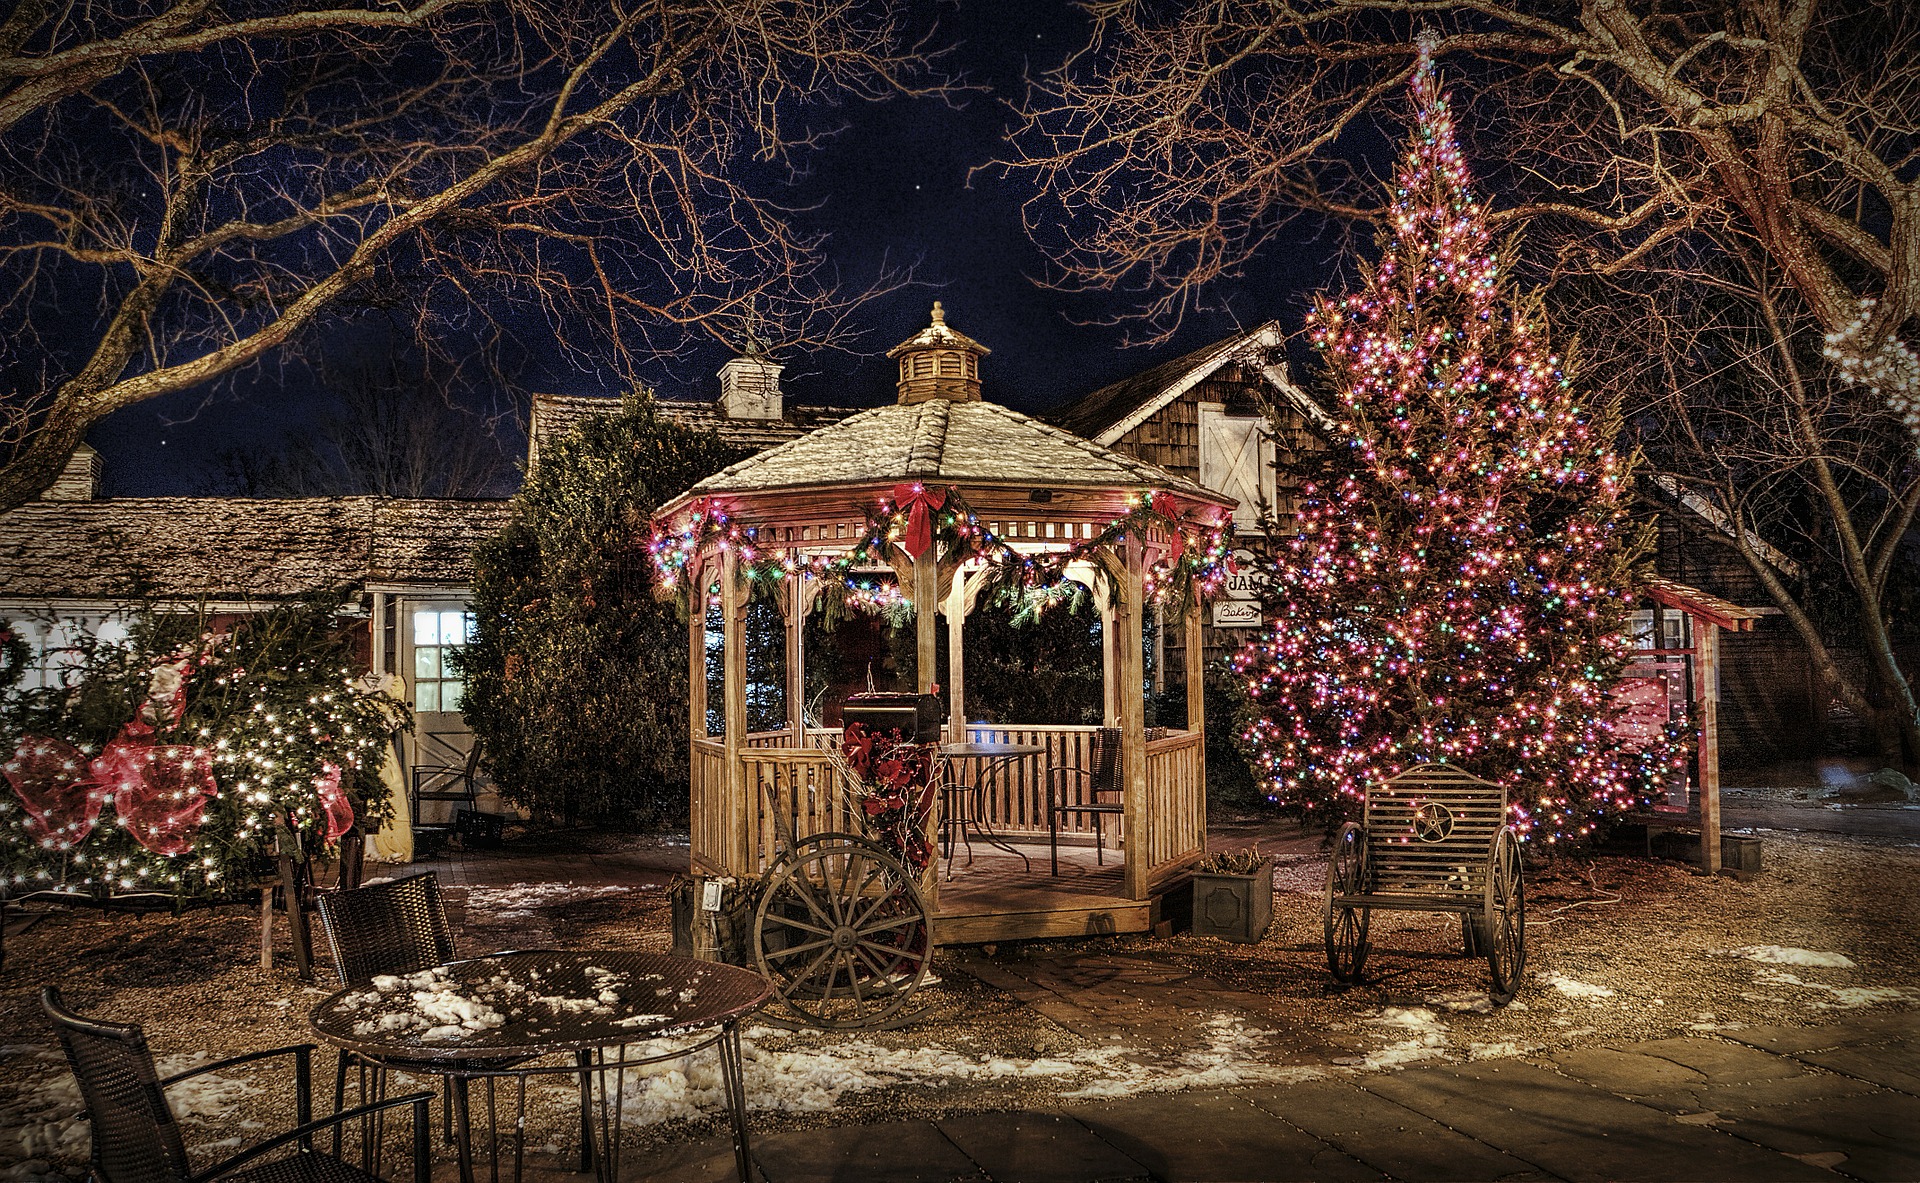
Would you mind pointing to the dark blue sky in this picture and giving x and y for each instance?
(892, 187)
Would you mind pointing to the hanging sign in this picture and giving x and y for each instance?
(1239, 603)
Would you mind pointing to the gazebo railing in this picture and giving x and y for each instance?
(737, 836)
(1176, 802)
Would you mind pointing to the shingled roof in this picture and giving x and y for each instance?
(1111, 411)
(236, 548)
(554, 415)
(944, 440)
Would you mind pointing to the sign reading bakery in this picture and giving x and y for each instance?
(1239, 602)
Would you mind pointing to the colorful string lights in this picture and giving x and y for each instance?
(1453, 591)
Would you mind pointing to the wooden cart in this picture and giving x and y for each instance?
(1433, 839)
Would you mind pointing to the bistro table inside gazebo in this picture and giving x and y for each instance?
(956, 495)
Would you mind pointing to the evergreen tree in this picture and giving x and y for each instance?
(576, 679)
(1455, 590)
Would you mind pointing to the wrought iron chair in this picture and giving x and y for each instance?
(135, 1139)
(397, 927)
(1100, 776)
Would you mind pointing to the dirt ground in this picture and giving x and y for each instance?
(1620, 948)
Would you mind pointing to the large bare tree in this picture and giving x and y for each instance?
(188, 187)
(1725, 192)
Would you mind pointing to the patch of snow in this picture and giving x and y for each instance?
(1574, 988)
(519, 900)
(785, 1073)
(1786, 955)
(1504, 1049)
(1844, 997)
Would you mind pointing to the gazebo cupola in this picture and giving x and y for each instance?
(939, 362)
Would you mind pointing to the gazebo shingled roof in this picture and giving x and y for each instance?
(979, 443)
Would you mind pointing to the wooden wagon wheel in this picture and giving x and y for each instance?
(842, 932)
(1505, 923)
(1347, 926)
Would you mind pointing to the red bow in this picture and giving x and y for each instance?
(51, 778)
(920, 502)
(160, 791)
(333, 802)
(1163, 504)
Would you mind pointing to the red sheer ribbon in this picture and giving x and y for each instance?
(160, 791)
(336, 809)
(1164, 505)
(51, 778)
(919, 502)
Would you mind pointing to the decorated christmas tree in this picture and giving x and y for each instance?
(1455, 589)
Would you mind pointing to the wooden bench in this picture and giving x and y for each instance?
(1433, 839)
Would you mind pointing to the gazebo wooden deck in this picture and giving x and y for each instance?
(956, 495)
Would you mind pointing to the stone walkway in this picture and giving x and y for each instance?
(1781, 1103)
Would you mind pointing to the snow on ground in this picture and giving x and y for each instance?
(807, 1072)
(46, 1119)
(1575, 988)
(1783, 955)
(521, 900)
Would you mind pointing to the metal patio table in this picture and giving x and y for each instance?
(994, 759)
(587, 1006)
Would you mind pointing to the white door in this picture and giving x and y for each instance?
(432, 631)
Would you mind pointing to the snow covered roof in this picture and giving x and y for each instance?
(554, 415)
(944, 440)
(1110, 412)
(1705, 605)
(236, 548)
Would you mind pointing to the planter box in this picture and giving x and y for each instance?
(1233, 907)
(1740, 853)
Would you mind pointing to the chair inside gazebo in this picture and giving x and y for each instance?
(954, 495)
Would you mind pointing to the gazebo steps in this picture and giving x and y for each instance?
(998, 898)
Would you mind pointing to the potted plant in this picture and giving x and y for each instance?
(1233, 895)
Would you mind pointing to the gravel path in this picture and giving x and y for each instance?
(1620, 948)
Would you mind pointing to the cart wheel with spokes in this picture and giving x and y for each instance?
(842, 932)
(1505, 926)
(1347, 925)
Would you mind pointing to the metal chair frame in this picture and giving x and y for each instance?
(1101, 775)
(135, 1137)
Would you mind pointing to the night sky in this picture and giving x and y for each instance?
(892, 187)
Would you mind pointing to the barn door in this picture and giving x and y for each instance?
(1236, 458)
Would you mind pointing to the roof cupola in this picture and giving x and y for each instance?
(939, 362)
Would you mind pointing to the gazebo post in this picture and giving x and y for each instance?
(1109, 656)
(799, 599)
(926, 618)
(1133, 713)
(733, 612)
(1196, 663)
(956, 658)
(696, 651)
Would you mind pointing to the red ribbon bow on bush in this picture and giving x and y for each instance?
(52, 780)
(919, 502)
(160, 791)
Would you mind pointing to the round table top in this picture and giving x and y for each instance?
(534, 1002)
(990, 749)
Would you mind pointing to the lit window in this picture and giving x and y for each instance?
(437, 633)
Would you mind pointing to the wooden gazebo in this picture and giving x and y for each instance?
(952, 493)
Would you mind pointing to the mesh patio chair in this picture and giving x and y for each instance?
(397, 927)
(135, 1139)
(1096, 793)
